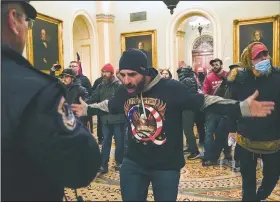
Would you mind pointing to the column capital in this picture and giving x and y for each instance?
(102, 17)
(180, 33)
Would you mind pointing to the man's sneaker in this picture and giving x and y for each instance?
(228, 157)
(103, 170)
(193, 156)
(209, 163)
(186, 151)
(118, 167)
(236, 167)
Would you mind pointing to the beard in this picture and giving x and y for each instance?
(135, 89)
(106, 79)
(217, 70)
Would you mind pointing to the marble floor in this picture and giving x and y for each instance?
(197, 183)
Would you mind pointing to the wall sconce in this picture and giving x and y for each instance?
(200, 24)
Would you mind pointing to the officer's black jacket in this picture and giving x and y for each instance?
(40, 153)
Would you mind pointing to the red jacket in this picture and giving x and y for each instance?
(212, 82)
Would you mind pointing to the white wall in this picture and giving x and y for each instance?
(158, 17)
(65, 11)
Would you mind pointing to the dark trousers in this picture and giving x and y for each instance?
(99, 129)
(126, 136)
(110, 130)
(271, 173)
(135, 181)
(188, 123)
(216, 137)
(199, 121)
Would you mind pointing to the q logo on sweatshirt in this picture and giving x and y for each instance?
(146, 125)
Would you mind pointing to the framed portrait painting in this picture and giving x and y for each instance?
(143, 40)
(45, 44)
(264, 29)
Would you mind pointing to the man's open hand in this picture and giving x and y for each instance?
(259, 108)
(80, 109)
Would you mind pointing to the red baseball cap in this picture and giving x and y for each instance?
(257, 48)
(108, 68)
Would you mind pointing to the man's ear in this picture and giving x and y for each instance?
(12, 21)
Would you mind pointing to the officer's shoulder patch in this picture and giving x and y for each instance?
(67, 118)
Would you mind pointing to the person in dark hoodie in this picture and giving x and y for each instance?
(257, 137)
(112, 124)
(79, 76)
(44, 148)
(154, 109)
(188, 77)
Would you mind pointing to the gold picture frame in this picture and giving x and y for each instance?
(265, 29)
(148, 39)
(50, 47)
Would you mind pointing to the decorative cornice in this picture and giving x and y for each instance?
(181, 33)
(105, 17)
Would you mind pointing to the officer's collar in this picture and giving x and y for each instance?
(7, 51)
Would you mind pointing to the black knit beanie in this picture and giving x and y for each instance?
(136, 60)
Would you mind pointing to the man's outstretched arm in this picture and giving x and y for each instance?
(247, 108)
(114, 105)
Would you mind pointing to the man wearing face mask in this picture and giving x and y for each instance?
(257, 137)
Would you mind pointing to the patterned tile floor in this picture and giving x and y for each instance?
(197, 183)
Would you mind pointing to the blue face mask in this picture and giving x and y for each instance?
(263, 66)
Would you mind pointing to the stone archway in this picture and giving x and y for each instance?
(171, 60)
(85, 42)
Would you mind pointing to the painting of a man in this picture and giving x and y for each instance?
(148, 54)
(45, 40)
(262, 29)
(257, 36)
(143, 43)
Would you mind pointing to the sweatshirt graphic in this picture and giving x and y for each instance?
(146, 117)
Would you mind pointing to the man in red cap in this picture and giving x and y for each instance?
(257, 137)
(112, 125)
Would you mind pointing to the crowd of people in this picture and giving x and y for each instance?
(47, 141)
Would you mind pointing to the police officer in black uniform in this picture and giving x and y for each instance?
(44, 148)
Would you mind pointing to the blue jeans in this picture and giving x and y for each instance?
(216, 125)
(135, 181)
(108, 131)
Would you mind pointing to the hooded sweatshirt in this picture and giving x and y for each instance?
(155, 117)
(244, 82)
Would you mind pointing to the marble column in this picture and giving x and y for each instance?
(105, 27)
(180, 35)
(106, 30)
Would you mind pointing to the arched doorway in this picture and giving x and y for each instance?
(83, 44)
(202, 52)
(171, 59)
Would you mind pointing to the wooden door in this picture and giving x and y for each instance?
(201, 60)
